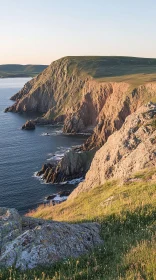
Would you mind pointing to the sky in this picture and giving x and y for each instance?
(41, 31)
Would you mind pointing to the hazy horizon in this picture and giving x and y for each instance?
(39, 32)
(75, 56)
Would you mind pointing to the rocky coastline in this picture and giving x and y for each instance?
(66, 93)
(74, 164)
(123, 142)
(63, 93)
(29, 125)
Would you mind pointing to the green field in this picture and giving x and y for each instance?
(17, 70)
(102, 68)
(116, 69)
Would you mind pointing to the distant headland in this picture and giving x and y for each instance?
(19, 70)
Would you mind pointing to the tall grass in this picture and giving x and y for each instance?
(127, 214)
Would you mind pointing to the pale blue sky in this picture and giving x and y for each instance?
(40, 31)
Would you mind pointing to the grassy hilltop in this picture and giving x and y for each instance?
(103, 68)
(134, 70)
(18, 70)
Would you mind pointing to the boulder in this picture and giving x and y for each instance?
(52, 196)
(64, 193)
(28, 242)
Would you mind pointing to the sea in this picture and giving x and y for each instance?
(22, 154)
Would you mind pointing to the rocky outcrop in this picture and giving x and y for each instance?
(66, 91)
(10, 226)
(27, 242)
(51, 92)
(74, 164)
(126, 151)
(29, 125)
(120, 102)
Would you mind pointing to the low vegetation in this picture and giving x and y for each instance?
(133, 70)
(17, 70)
(127, 216)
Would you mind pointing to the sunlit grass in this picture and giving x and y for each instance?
(127, 214)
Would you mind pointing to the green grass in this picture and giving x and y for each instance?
(17, 70)
(127, 214)
(145, 175)
(133, 70)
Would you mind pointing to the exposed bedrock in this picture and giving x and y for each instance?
(29, 125)
(27, 242)
(65, 94)
(126, 151)
(73, 165)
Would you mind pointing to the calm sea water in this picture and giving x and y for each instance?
(22, 153)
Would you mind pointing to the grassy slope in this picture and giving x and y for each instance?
(127, 216)
(133, 70)
(17, 70)
(102, 68)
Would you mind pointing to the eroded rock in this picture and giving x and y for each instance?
(10, 226)
(28, 242)
(74, 164)
(126, 151)
(65, 92)
(29, 125)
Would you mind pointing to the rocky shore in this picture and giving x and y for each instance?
(73, 165)
(65, 92)
(29, 125)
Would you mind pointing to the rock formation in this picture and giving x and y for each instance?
(27, 242)
(126, 151)
(69, 91)
(122, 126)
(74, 164)
(29, 125)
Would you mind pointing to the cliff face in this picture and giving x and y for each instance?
(121, 101)
(74, 164)
(68, 91)
(50, 91)
(126, 151)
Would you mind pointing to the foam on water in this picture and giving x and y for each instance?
(75, 181)
(54, 133)
(24, 152)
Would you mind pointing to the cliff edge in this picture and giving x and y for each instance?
(126, 151)
(89, 93)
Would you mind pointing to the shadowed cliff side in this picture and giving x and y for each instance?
(87, 94)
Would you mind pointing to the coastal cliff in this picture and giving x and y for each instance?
(127, 151)
(93, 94)
(119, 193)
(114, 207)
(86, 94)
